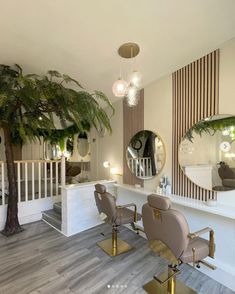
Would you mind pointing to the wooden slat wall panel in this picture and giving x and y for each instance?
(133, 122)
(195, 96)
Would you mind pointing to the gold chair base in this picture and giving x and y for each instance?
(154, 287)
(122, 247)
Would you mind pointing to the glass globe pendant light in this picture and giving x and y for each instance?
(132, 95)
(128, 90)
(119, 88)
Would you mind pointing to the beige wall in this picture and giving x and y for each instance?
(110, 147)
(227, 78)
(158, 118)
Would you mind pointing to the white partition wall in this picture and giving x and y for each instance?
(79, 211)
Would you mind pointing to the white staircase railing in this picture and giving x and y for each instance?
(140, 166)
(36, 179)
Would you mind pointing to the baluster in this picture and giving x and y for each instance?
(45, 179)
(33, 183)
(144, 166)
(39, 180)
(19, 181)
(51, 179)
(56, 178)
(26, 181)
(3, 183)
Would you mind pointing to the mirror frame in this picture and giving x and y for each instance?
(164, 161)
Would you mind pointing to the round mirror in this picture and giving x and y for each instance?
(145, 155)
(207, 153)
(83, 144)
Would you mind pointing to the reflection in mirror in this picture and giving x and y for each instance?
(83, 144)
(145, 155)
(207, 153)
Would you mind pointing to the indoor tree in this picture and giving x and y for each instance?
(31, 105)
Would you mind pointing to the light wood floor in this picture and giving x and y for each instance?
(41, 260)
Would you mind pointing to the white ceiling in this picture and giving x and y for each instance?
(81, 37)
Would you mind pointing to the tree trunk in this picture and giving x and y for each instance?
(12, 225)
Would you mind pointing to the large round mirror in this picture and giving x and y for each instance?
(207, 153)
(145, 154)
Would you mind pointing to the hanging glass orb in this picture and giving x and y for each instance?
(119, 88)
(136, 78)
(132, 96)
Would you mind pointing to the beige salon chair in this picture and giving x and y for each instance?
(168, 234)
(115, 216)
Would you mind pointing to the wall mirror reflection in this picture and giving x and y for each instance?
(145, 154)
(207, 153)
(83, 144)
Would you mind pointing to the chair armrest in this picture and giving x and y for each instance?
(130, 205)
(211, 240)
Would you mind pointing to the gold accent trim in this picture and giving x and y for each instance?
(211, 266)
(129, 50)
(212, 244)
(157, 213)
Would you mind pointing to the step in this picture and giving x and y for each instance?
(57, 207)
(53, 218)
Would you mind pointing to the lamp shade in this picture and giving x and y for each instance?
(106, 164)
(119, 88)
(132, 96)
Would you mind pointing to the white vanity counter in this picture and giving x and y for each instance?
(220, 209)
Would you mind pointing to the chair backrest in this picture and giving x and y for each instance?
(165, 224)
(225, 172)
(105, 202)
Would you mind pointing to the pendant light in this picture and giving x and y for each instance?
(120, 87)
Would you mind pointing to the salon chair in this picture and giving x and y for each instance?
(168, 234)
(115, 216)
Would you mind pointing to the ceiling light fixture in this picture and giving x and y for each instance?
(130, 89)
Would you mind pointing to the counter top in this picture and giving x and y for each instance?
(219, 209)
(85, 184)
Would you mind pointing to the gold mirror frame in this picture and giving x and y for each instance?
(142, 166)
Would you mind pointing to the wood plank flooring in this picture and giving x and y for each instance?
(41, 260)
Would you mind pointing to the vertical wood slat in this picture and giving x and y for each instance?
(195, 96)
(133, 122)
